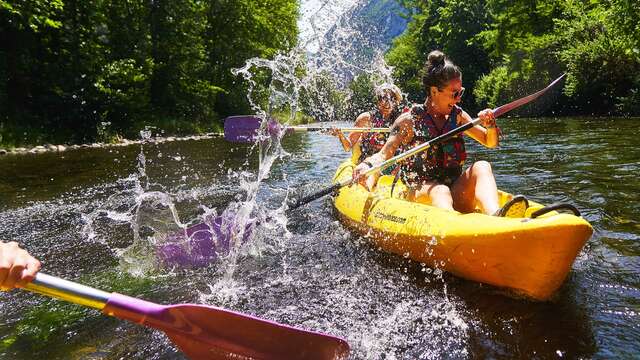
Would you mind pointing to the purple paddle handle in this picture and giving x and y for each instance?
(135, 310)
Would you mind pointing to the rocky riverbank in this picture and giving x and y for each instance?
(61, 148)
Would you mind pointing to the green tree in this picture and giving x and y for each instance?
(585, 39)
(361, 97)
(241, 29)
(21, 24)
(69, 67)
(509, 48)
(446, 25)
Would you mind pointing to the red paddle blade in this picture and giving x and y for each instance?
(207, 332)
(517, 103)
(246, 128)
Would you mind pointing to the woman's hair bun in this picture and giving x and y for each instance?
(439, 70)
(435, 58)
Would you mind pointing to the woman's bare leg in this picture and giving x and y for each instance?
(476, 184)
(437, 195)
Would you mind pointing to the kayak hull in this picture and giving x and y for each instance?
(530, 257)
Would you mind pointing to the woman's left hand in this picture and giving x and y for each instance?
(487, 117)
(334, 131)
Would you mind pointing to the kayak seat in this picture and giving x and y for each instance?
(514, 208)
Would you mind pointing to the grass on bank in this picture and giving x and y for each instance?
(16, 136)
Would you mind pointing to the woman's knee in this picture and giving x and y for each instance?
(438, 192)
(482, 168)
(432, 190)
(437, 195)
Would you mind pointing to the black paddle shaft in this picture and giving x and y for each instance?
(309, 198)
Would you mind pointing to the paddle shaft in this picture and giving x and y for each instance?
(69, 291)
(200, 331)
(249, 128)
(496, 113)
(343, 129)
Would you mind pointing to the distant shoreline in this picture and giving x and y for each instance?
(49, 148)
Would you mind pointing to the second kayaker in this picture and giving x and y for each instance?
(436, 176)
(388, 108)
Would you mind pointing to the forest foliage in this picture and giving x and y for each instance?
(507, 48)
(74, 71)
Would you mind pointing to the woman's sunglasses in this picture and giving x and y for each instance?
(387, 98)
(456, 94)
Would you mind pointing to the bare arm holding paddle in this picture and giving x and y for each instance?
(362, 121)
(402, 133)
(17, 267)
(487, 134)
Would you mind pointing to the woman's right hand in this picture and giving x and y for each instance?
(488, 118)
(360, 170)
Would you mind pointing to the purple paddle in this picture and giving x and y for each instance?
(245, 129)
(201, 331)
(201, 244)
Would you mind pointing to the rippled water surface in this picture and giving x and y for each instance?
(71, 210)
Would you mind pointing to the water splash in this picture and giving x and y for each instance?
(297, 81)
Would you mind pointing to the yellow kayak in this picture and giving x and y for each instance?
(531, 257)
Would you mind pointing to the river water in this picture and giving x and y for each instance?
(72, 210)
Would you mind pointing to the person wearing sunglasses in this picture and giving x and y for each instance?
(388, 108)
(436, 176)
(17, 266)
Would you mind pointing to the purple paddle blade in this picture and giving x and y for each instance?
(201, 244)
(207, 332)
(246, 128)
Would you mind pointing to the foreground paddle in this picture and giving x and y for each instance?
(246, 129)
(200, 331)
(422, 147)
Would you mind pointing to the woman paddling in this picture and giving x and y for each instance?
(436, 176)
(388, 107)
